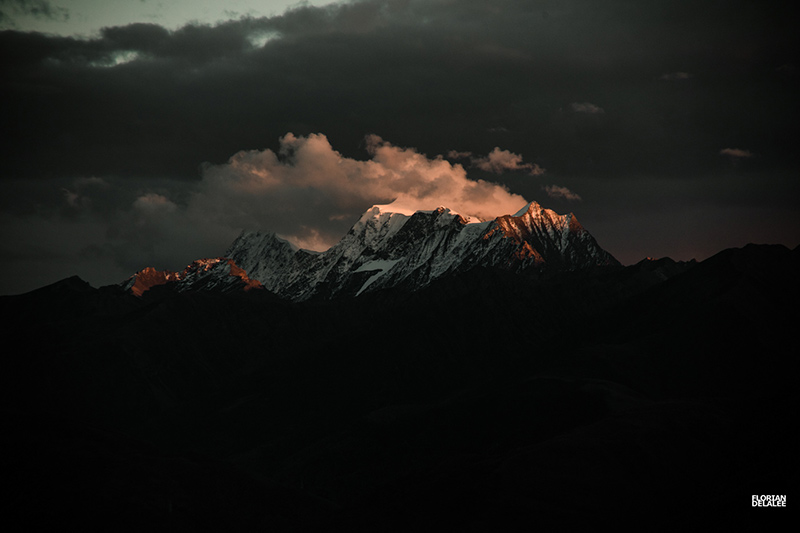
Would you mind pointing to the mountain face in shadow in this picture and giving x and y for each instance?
(487, 398)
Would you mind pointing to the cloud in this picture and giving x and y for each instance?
(499, 161)
(34, 8)
(454, 154)
(310, 193)
(586, 107)
(556, 191)
(154, 203)
(201, 92)
(736, 153)
(675, 76)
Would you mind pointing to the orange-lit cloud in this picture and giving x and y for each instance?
(310, 193)
(152, 202)
(556, 191)
(499, 161)
(736, 152)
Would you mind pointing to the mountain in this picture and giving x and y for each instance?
(651, 395)
(385, 249)
(490, 375)
(220, 273)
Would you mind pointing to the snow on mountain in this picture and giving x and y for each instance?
(386, 249)
(389, 249)
(219, 273)
(267, 258)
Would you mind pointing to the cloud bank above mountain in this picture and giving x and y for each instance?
(305, 191)
(310, 193)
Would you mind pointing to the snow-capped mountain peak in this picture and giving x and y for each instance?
(386, 249)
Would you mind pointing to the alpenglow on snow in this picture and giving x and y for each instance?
(387, 249)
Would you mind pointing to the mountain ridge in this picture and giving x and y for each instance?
(219, 273)
(387, 249)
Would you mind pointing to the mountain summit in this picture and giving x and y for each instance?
(385, 249)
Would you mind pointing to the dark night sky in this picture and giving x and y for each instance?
(668, 127)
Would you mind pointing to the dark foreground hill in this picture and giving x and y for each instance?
(652, 394)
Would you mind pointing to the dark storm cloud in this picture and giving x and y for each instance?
(36, 8)
(436, 75)
(626, 104)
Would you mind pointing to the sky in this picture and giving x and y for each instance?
(87, 17)
(150, 133)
